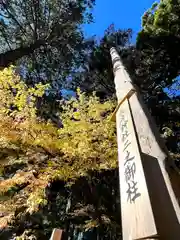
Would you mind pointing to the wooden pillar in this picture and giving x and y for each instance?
(57, 234)
(146, 177)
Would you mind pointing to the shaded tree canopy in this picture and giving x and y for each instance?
(97, 74)
(43, 37)
(159, 43)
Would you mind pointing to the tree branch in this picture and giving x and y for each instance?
(11, 56)
(13, 18)
(6, 39)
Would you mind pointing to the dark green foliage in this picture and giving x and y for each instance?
(159, 43)
(97, 74)
(44, 36)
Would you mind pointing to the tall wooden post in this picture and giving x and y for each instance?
(149, 187)
(57, 234)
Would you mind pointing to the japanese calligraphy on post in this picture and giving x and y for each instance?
(129, 161)
(135, 203)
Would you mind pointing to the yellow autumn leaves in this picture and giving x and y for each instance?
(15, 96)
(86, 136)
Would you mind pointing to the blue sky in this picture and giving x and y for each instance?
(123, 13)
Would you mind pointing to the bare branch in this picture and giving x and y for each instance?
(13, 55)
(13, 18)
